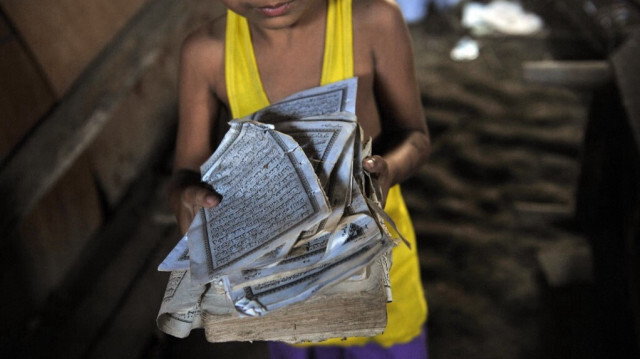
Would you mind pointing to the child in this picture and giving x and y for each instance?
(262, 51)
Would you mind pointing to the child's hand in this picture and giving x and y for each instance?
(187, 194)
(378, 167)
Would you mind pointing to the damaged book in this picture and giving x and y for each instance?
(298, 248)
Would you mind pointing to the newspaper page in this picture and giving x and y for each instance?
(269, 195)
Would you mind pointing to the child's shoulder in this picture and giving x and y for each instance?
(202, 53)
(377, 13)
(377, 19)
(205, 43)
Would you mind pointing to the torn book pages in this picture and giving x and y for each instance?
(298, 215)
(259, 299)
(353, 233)
(269, 192)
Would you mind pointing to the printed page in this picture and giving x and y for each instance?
(270, 194)
(322, 138)
(351, 235)
(180, 311)
(258, 300)
(332, 98)
(328, 143)
(298, 260)
(321, 146)
(178, 258)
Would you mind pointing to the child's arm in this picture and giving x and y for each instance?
(198, 109)
(404, 140)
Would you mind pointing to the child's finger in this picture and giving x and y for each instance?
(210, 200)
(374, 164)
(201, 197)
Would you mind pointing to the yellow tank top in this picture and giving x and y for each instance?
(408, 311)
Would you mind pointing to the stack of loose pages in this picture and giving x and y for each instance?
(298, 216)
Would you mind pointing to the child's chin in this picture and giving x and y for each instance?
(274, 23)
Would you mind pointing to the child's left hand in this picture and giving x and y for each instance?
(378, 167)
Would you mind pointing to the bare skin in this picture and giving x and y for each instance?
(289, 52)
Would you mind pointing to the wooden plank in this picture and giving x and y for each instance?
(140, 125)
(70, 33)
(16, 300)
(54, 233)
(608, 206)
(24, 94)
(627, 73)
(5, 30)
(92, 295)
(103, 290)
(133, 324)
(626, 68)
(587, 20)
(581, 74)
(70, 129)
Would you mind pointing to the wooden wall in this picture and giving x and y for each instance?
(45, 49)
(65, 35)
(55, 231)
(25, 95)
(87, 99)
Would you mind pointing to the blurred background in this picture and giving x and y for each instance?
(527, 214)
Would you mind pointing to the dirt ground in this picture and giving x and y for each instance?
(498, 192)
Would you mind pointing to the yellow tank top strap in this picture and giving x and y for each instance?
(244, 88)
(337, 64)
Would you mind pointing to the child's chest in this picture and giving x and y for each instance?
(286, 70)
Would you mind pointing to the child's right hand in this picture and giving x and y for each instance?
(187, 194)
